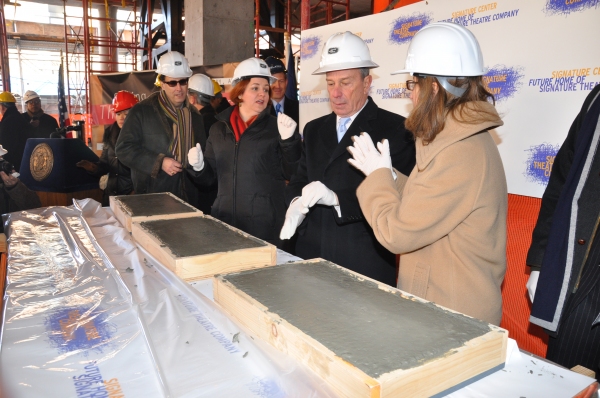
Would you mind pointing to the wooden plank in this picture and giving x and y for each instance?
(66, 199)
(200, 247)
(146, 207)
(363, 338)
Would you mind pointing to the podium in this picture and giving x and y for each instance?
(49, 168)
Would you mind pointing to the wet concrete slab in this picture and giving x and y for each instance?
(374, 330)
(153, 205)
(196, 236)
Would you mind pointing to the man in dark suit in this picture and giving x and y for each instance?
(322, 194)
(281, 103)
(565, 249)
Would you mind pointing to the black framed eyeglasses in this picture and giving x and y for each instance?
(410, 85)
(174, 83)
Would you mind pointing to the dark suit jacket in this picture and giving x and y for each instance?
(291, 107)
(348, 240)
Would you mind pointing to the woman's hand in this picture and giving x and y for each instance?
(366, 157)
(196, 158)
(286, 126)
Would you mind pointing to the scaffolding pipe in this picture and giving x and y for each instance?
(4, 51)
(305, 15)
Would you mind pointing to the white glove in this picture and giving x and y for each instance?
(366, 157)
(317, 193)
(293, 217)
(532, 284)
(286, 126)
(196, 158)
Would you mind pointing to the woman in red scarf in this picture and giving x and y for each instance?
(250, 154)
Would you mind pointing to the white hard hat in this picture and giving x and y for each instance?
(29, 95)
(344, 51)
(173, 64)
(3, 151)
(202, 84)
(444, 49)
(252, 67)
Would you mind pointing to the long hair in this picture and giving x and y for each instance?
(428, 117)
(240, 88)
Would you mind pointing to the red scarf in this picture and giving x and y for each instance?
(238, 124)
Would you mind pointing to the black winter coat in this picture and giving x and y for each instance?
(347, 241)
(251, 174)
(14, 132)
(144, 143)
(119, 175)
(47, 125)
(16, 198)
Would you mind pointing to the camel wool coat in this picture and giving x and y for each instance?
(447, 220)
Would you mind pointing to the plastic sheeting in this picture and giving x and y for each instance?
(89, 314)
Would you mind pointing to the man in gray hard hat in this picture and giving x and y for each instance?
(324, 209)
(201, 93)
(160, 130)
(42, 124)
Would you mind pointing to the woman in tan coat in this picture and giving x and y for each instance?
(448, 218)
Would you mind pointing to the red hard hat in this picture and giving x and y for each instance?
(123, 100)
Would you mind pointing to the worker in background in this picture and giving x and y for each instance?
(219, 103)
(447, 220)
(251, 154)
(14, 130)
(281, 103)
(200, 95)
(14, 195)
(323, 207)
(160, 130)
(116, 178)
(41, 123)
(565, 250)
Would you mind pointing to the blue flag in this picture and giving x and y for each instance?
(291, 91)
(63, 111)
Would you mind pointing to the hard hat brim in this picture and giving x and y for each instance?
(271, 79)
(412, 72)
(345, 66)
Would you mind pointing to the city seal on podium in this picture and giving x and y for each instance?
(41, 162)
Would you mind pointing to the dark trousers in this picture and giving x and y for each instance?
(578, 342)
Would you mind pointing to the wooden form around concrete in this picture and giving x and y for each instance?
(481, 354)
(126, 215)
(195, 267)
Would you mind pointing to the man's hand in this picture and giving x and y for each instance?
(87, 165)
(317, 193)
(9, 180)
(293, 218)
(286, 126)
(532, 284)
(171, 166)
(366, 157)
(196, 158)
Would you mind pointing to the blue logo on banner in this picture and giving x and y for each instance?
(266, 388)
(568, 6)
(404, 28)
(78, 328)
(539, 162)
(503, 81)
(309, 46)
